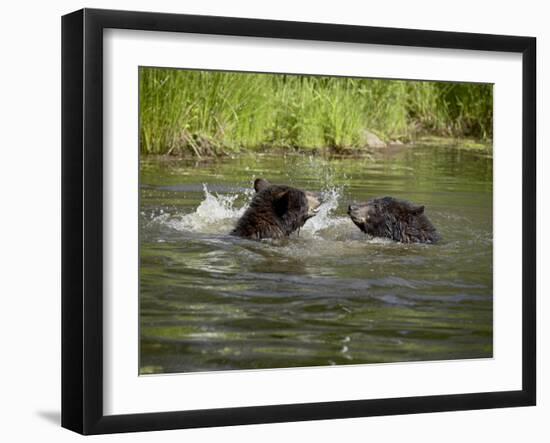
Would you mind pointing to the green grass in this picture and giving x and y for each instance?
(205, 113)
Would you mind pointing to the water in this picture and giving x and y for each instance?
(328, 295)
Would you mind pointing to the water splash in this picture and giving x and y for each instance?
(216, 213)
(325, 219)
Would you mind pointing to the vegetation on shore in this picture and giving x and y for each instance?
(204, 113)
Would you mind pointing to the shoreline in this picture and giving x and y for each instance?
(469, 144)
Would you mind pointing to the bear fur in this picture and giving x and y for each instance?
(276, 211)
(398, 220)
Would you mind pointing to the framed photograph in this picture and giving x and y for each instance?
(269, 221)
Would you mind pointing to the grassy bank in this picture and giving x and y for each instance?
(209, 113)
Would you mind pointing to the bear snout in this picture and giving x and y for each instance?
(314, 202)
(354, 210)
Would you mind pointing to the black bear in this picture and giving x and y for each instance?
(398, 220)
(276, 211)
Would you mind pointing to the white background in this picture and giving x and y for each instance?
(30, 221)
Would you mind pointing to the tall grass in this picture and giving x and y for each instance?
(453, 109)
(207, 113)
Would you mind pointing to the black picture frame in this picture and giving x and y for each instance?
(82, 219)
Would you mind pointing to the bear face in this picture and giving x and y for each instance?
(276, 211)
(396, 219)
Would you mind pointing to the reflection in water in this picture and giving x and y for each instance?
(328, 295)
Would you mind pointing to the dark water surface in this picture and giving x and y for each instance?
(330, 295)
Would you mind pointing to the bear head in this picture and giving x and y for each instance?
(276, 211)
(398, 220)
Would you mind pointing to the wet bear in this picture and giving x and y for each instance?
(276, 211)
(399, 220)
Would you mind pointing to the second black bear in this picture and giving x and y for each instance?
(398, 220)
(276, 211)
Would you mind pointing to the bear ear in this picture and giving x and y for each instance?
(281, 202)
(260, 184)
(416, 210)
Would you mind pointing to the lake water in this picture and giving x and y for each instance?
(328, 295)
